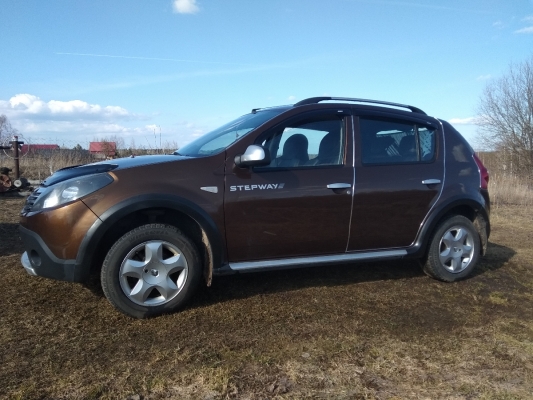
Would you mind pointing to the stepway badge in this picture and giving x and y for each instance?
(268, 186)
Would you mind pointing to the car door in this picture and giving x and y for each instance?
(300, 204)
(399, 176)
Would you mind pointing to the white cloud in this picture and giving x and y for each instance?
(464, 121)
(185, 6)
(291, 98)
(498, 24)
(64, 122)
(483, 77)
(27, 106)
(528, 29)
(148, 58)
(68, 123)
(34, 128)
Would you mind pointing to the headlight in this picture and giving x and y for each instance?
(70, 190)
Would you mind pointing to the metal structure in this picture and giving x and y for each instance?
(14, 145)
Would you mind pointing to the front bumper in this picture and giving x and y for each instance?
(38, 260)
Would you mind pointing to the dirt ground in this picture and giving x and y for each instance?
(362, 331)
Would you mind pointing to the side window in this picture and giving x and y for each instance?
(427, 143)
(387, 141)
(306, 143)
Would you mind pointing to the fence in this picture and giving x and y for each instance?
(42, 163)
(508, 184)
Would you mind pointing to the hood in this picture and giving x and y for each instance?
(105, 166)
(139, 161)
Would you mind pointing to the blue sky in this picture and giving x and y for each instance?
(76, 71)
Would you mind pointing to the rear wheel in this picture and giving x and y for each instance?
(454, 250)
(151, 270)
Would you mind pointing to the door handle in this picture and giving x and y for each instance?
(430, 181)
(339, 186)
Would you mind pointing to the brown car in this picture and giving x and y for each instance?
(326, 180)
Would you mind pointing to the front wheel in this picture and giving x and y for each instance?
(453, 250)
(151, 270)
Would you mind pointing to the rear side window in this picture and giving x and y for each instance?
(389, 141)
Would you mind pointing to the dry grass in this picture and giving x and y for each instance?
(40, 166)
(510, 190)
(506, 186)
(366, 331)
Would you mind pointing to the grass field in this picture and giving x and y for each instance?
(362, 331)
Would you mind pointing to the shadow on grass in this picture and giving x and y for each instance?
(226, 288)
(10, 242)
(230, 287)
(239, 286)
(495, 258)
(10, 207)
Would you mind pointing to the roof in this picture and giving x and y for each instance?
(315, 100)
(37, 147)
(109, 148)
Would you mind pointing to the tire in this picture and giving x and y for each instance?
(151, 270)
(453, 251)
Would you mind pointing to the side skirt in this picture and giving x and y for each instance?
(298, 262)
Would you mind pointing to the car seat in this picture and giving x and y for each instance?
(328, 150)
(294, 152)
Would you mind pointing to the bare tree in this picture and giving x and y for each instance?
(6, 130)
(506, 116)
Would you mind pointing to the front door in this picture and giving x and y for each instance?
(300, 204)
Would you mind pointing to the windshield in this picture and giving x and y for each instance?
(219, 139)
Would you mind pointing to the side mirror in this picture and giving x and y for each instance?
(253, 156)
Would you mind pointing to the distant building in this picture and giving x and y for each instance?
(103, 149)
(38, 148)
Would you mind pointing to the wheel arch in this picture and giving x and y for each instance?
(469, 208)
(192, 220)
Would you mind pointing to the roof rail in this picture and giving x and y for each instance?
(314, 100)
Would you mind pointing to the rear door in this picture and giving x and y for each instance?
(300, 204)
(399, 175)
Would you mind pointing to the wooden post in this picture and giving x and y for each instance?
(15, 143)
